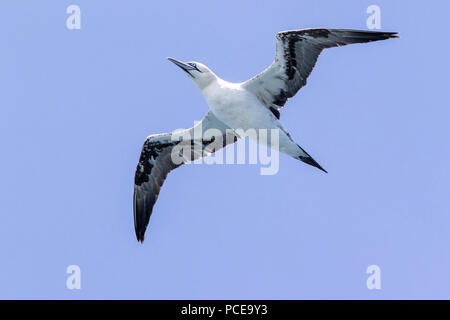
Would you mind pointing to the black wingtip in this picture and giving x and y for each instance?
(139, 233)
(373, 35)
(393, 35)
(362, 36)
(140, 236)
(389, 35)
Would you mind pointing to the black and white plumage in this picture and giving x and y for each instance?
(156, 162)
(296, 56)
(253, 104)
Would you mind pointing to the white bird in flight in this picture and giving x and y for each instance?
(253, 104)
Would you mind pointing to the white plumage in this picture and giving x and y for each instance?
(253, 104)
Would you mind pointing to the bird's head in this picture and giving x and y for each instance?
(198, 72)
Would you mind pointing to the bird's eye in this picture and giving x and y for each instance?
(194, 65)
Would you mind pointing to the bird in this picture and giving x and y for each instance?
(254, 103)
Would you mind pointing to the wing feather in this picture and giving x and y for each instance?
(156, 162)
(296, 55)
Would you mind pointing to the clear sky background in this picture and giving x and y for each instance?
(76, 106)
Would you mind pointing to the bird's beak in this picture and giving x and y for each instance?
(186, 67)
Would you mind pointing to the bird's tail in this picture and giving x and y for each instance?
(289, 147)
(306, 158)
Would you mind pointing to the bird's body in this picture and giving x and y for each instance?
(233, 105)
(239, 108)
(253, 104)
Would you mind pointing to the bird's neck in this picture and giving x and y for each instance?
(211, 81)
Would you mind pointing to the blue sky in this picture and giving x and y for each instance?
(76, 106)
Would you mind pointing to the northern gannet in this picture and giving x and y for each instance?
(253, 104)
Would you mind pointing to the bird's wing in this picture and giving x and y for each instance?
(162, 153)
(296, 54)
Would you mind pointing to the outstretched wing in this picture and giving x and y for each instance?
(296, 55)
(161, 154)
